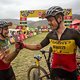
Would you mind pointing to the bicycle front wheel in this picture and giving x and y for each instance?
(37, 73)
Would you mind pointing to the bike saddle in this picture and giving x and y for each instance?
(38, 57)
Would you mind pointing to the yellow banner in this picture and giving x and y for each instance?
(63, 46)
(31, 13)
(38, 13)
(68, 12)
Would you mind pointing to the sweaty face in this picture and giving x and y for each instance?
(52, 22)
(5, 32)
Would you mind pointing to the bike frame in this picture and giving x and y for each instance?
(37, 63)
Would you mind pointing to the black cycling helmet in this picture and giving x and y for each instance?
(3, 24)
(53, 11)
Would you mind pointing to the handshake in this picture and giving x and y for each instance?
(20, 45)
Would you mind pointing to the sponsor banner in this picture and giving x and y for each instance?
(67, 17)
(23, 18)
(24, 14)
(68, 12)
(38, 13)
(67, 25)
(67, 21)
(23, 22)
(31, 13)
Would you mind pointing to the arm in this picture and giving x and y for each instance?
(32, 46)
(39, 46)
(10, 57)
(77, 38)
(7, 58)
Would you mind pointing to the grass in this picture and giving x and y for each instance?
(25, 58)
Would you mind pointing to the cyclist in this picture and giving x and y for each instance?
(64, 42)
(6, 71)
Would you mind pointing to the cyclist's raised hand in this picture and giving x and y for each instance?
(19, 45)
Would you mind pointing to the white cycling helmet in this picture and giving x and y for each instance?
(53, 11)
(3, 24)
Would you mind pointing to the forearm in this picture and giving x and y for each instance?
(10, 57)
(32, 47)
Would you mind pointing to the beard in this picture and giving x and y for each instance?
(53, 27)
(6, 35)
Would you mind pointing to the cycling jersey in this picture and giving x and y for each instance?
(4, 47)
(64, 49)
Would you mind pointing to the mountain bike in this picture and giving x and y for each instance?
(37, 72)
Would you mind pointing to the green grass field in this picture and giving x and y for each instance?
(25, 58)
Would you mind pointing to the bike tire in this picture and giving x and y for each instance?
(35, 75)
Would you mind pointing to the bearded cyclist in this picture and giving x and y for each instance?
(6, 71)
(64, 42)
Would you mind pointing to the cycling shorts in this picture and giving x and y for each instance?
(63, 74)
(7, 74)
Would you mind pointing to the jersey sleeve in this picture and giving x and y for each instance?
(77, 38)
(45, 41)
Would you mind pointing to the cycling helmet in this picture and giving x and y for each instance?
(53, 11)
(3, 24)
